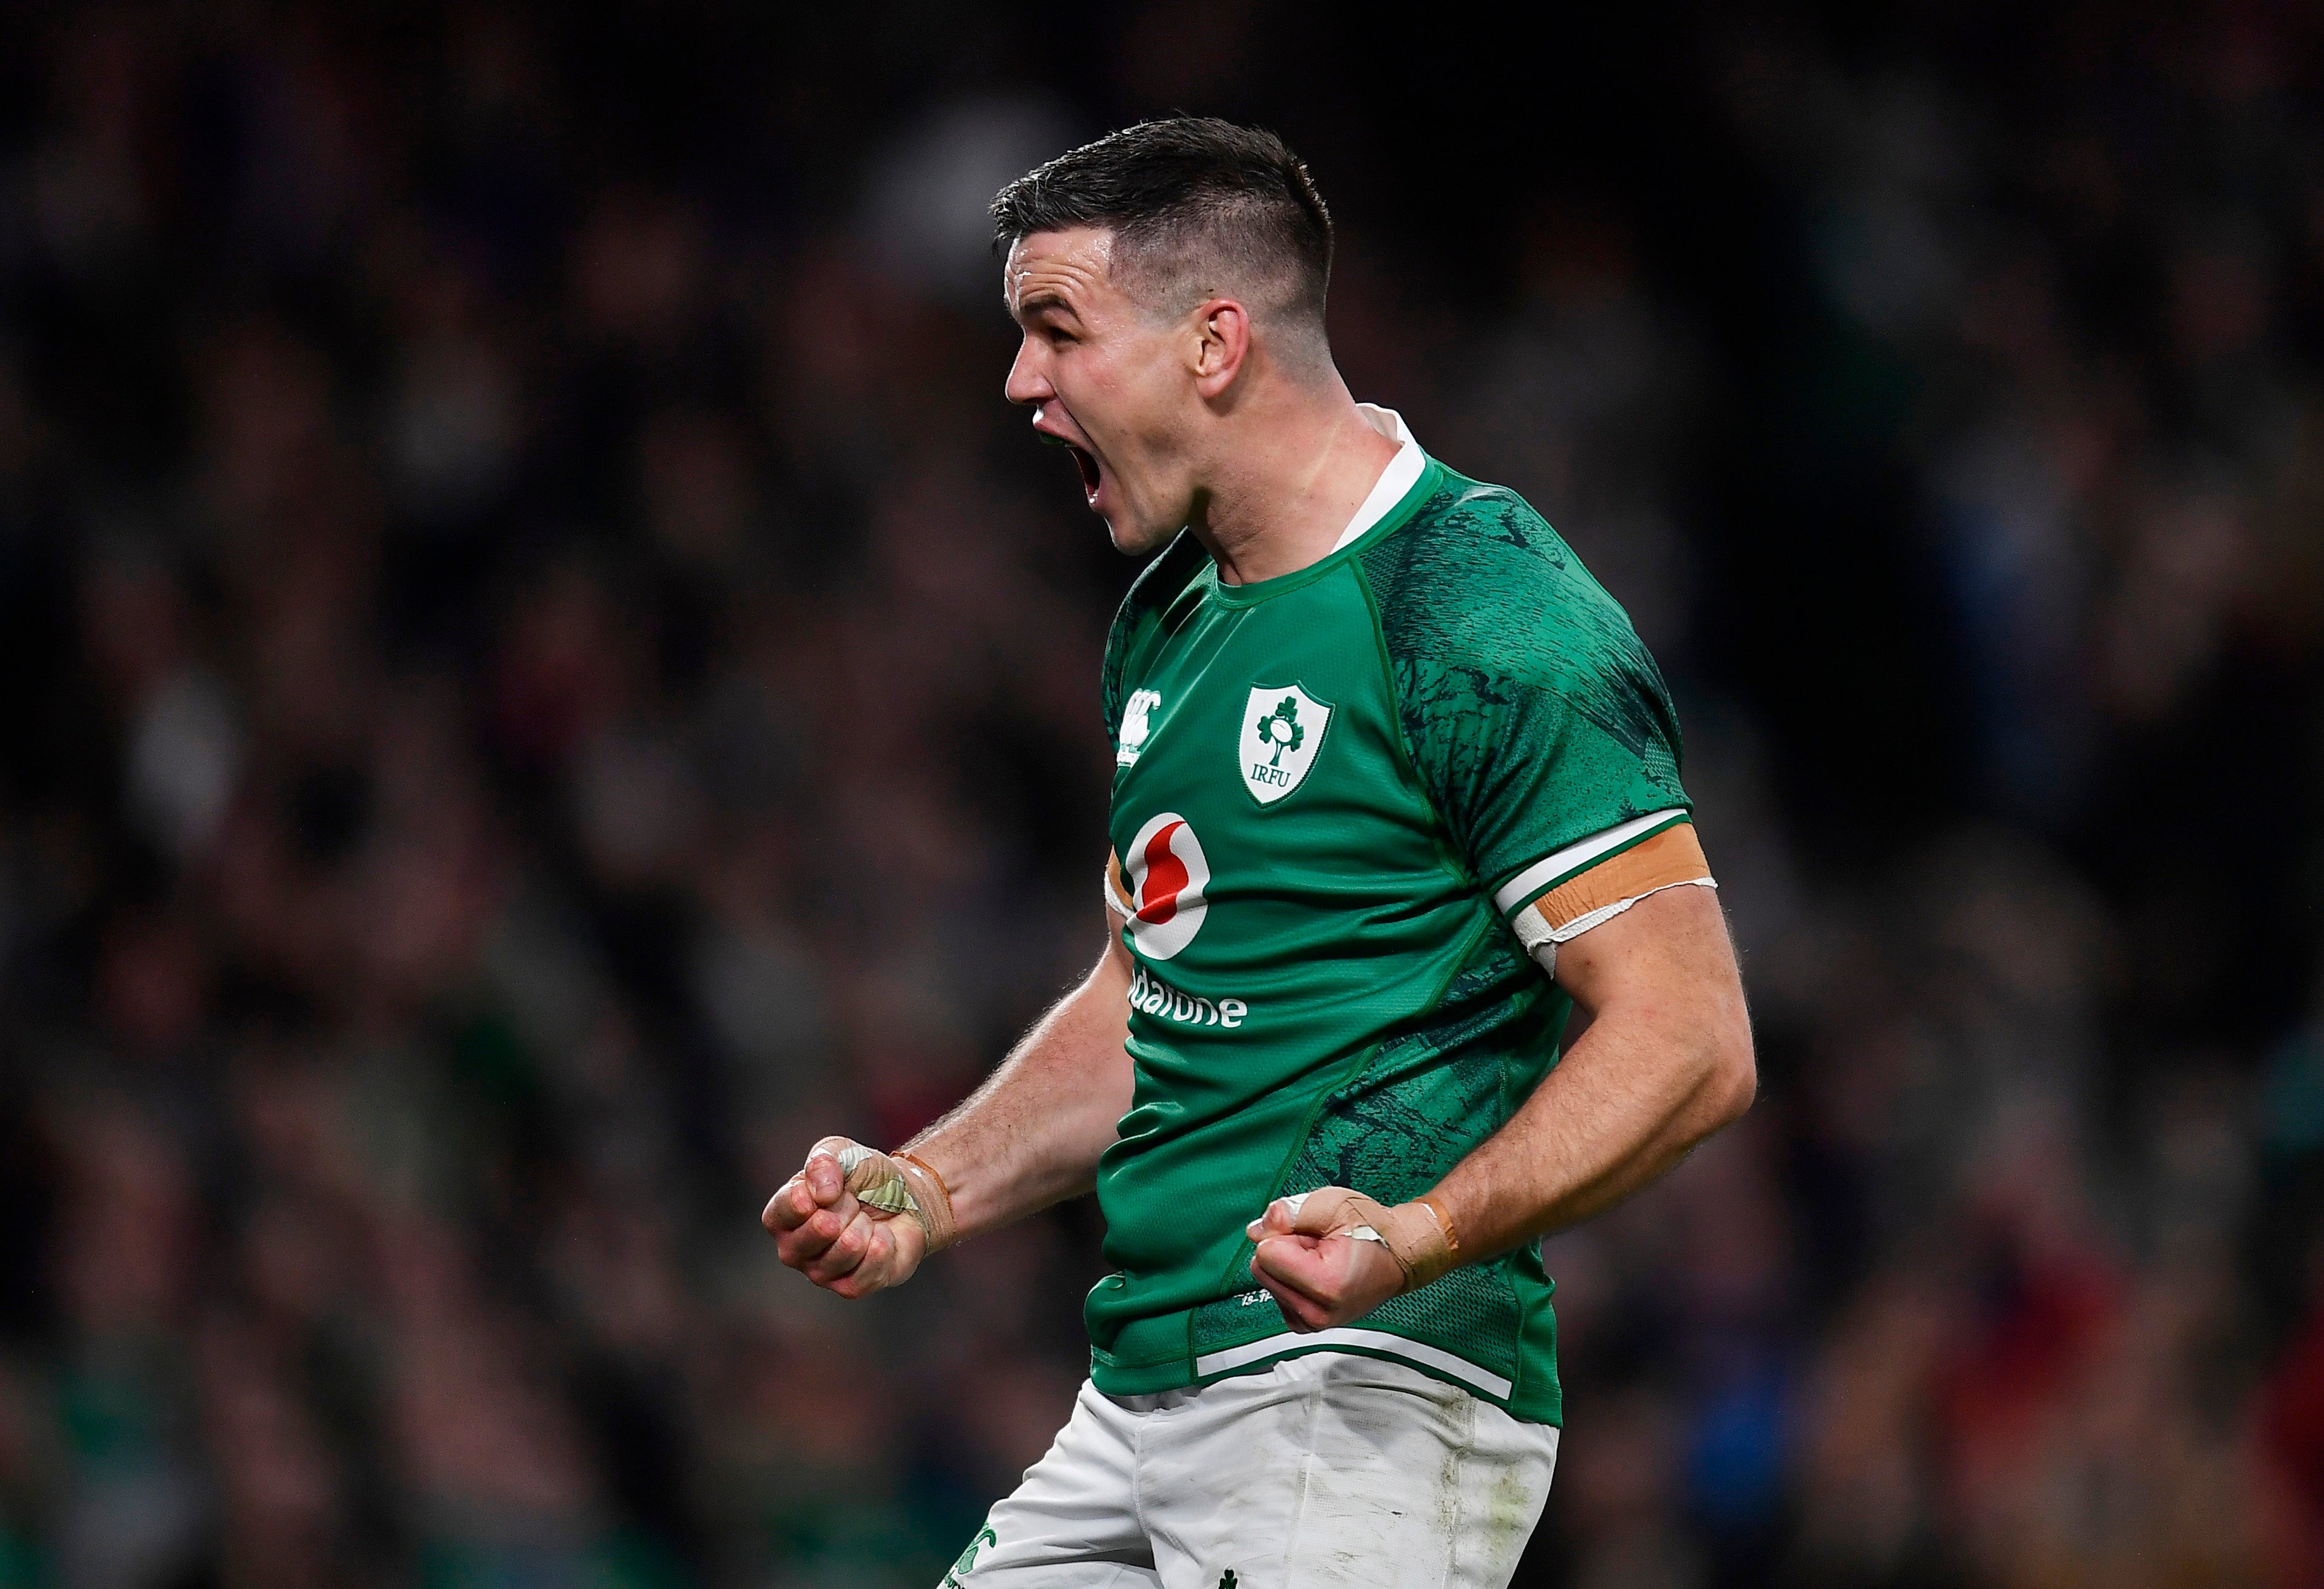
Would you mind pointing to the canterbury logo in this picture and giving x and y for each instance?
(1137, 724)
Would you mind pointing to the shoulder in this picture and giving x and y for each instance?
(1144, 612)
(1478, 582)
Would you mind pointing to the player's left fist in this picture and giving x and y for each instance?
(1331, 1256)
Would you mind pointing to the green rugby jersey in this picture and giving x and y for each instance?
(1333, 790)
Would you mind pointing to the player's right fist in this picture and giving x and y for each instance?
(855, 1220)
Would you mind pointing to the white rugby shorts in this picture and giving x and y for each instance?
(1331, 1468)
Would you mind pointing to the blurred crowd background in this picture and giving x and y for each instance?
(542, 676)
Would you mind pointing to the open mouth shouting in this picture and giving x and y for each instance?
(1086, 462)
(1092, 472)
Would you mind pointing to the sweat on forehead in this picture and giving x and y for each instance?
(1064, 264)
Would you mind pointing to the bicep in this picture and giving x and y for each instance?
(1109, 986)
(1669, 949)
(1665, 997)
(1114, 964)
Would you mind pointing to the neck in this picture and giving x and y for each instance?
(1292, 472)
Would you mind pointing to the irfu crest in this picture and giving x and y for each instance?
(1282, 732)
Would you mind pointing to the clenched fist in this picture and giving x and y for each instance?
(1331, 1256)
(855, 1220)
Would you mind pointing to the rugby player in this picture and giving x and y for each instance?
(1396, 788)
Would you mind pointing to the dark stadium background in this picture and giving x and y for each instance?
(542, 676)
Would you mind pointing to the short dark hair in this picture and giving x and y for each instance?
(1191, 200)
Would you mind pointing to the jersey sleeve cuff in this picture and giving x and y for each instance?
(1117, 893)
(1553, 870)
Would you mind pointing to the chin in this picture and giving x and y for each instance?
(1133, 540)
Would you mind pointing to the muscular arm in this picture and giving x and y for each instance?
(1031, 1137)
(1666, 1062)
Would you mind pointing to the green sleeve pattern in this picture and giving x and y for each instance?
(1533, 715)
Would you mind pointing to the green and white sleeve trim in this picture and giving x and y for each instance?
(1550, 871)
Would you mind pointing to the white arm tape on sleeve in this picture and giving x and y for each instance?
(1541, 939)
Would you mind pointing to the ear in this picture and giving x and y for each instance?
(1222, 329)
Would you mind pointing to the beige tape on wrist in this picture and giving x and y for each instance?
(1417, 1234)
(894, 1184)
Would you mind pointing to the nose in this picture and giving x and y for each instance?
(1028, 382)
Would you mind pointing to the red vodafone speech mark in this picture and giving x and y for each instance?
(1165, 876)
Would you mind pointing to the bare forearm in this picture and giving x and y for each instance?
(1617, 1112)
(1666, 1062)
(1031, 1135)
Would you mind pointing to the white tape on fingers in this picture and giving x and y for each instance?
(883, 1188)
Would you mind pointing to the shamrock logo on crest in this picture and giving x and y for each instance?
(1281, 730)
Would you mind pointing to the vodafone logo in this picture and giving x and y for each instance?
(1167, 873)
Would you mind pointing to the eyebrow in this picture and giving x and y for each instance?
(1042, 302)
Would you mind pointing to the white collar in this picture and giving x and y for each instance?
(1395, 479)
